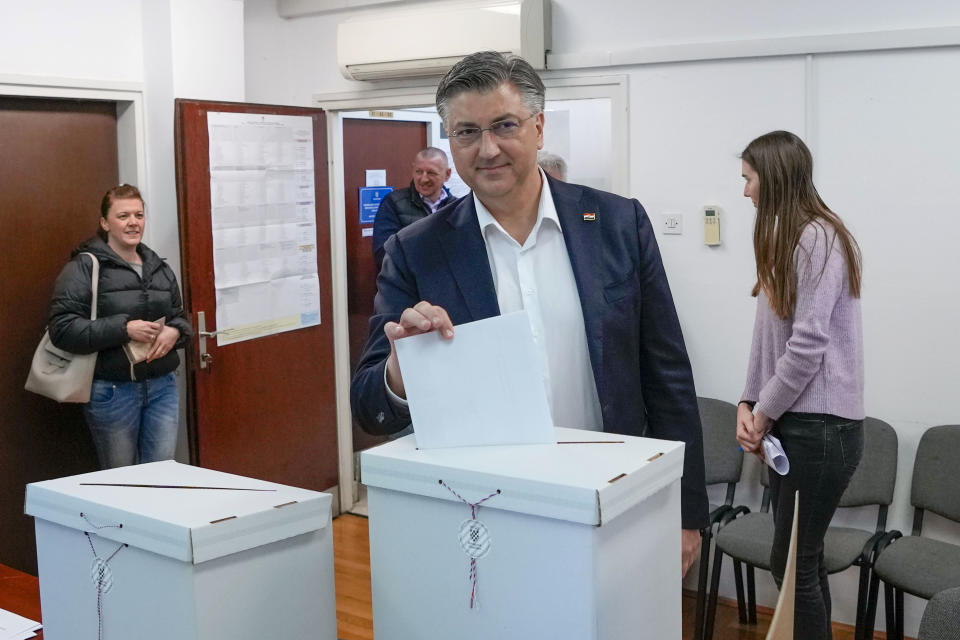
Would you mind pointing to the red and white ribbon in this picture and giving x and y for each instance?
(474, 539)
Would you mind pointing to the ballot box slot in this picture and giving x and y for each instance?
(223, 519)
(615, 478)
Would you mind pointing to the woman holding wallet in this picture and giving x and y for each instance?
(133, 413)
(805, 373)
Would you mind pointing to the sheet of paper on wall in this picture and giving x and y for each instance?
(483, 387)
(14, 627)
(376, 177)
(263, 217)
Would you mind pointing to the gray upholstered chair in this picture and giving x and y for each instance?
(723, 461)
(914, 564)
(748, 537)
(941, 618)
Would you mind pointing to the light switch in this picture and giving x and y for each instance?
(673, 223)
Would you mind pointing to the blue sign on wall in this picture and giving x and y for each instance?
(370, 198)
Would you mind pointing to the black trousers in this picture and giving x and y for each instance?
(824, 451)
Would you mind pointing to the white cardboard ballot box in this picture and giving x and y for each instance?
(582, 541)
(187, 564)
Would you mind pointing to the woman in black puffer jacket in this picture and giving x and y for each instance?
(133, 413)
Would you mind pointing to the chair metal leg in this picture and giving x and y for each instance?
(714, 589)
(751, 596)
(862, 594)
(898, 631)
(741, 601)
(870, 620)
(891, 610)
(700, 620)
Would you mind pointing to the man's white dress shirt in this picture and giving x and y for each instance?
(537, 277)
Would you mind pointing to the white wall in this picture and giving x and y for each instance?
(94, 39)
(883, 130)
(580, 27)
(287, 61)
(207, 49)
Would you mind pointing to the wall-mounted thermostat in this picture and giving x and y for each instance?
(711, 225)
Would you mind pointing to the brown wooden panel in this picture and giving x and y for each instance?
(370, 144)
(266, 408)
(57, 158)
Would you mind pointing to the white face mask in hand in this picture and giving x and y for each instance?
(774, 455)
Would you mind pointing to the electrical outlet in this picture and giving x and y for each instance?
(672, 223)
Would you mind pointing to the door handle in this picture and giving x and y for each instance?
(205, 358)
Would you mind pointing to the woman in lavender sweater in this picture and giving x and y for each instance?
(805, 376)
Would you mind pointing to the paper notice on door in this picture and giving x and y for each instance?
(482, 387)
(260, 309)
(376, 177)
(263, 216)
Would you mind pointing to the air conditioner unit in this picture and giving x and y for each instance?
(428, 39)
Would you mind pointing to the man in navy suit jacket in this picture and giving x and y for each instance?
(456, 266)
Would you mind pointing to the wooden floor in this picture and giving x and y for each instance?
(351, 561)
(354, 616)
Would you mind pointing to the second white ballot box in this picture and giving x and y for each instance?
(164, 550)
(577, 539)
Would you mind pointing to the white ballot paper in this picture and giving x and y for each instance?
(14, 627)
(483, 387)
(774, 454)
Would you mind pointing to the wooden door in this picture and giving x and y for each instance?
(264, 408)
(57, 158)
(370, 144)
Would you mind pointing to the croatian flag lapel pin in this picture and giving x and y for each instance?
(589, 216)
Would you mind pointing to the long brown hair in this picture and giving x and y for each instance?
(787, 202)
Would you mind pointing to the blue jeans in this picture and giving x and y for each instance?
(134, 422)
(824, 451)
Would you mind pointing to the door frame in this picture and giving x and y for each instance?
(131, 126)
(560, 86)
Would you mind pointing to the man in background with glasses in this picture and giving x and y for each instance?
(583, 263)
(424, 196)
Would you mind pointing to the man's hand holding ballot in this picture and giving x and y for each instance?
(422, 317)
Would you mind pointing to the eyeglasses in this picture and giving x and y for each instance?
(503, 129)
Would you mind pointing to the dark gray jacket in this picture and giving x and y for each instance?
(400, 208)
(122, 296)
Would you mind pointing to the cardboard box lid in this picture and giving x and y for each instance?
(583, 483)
(192, 525)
